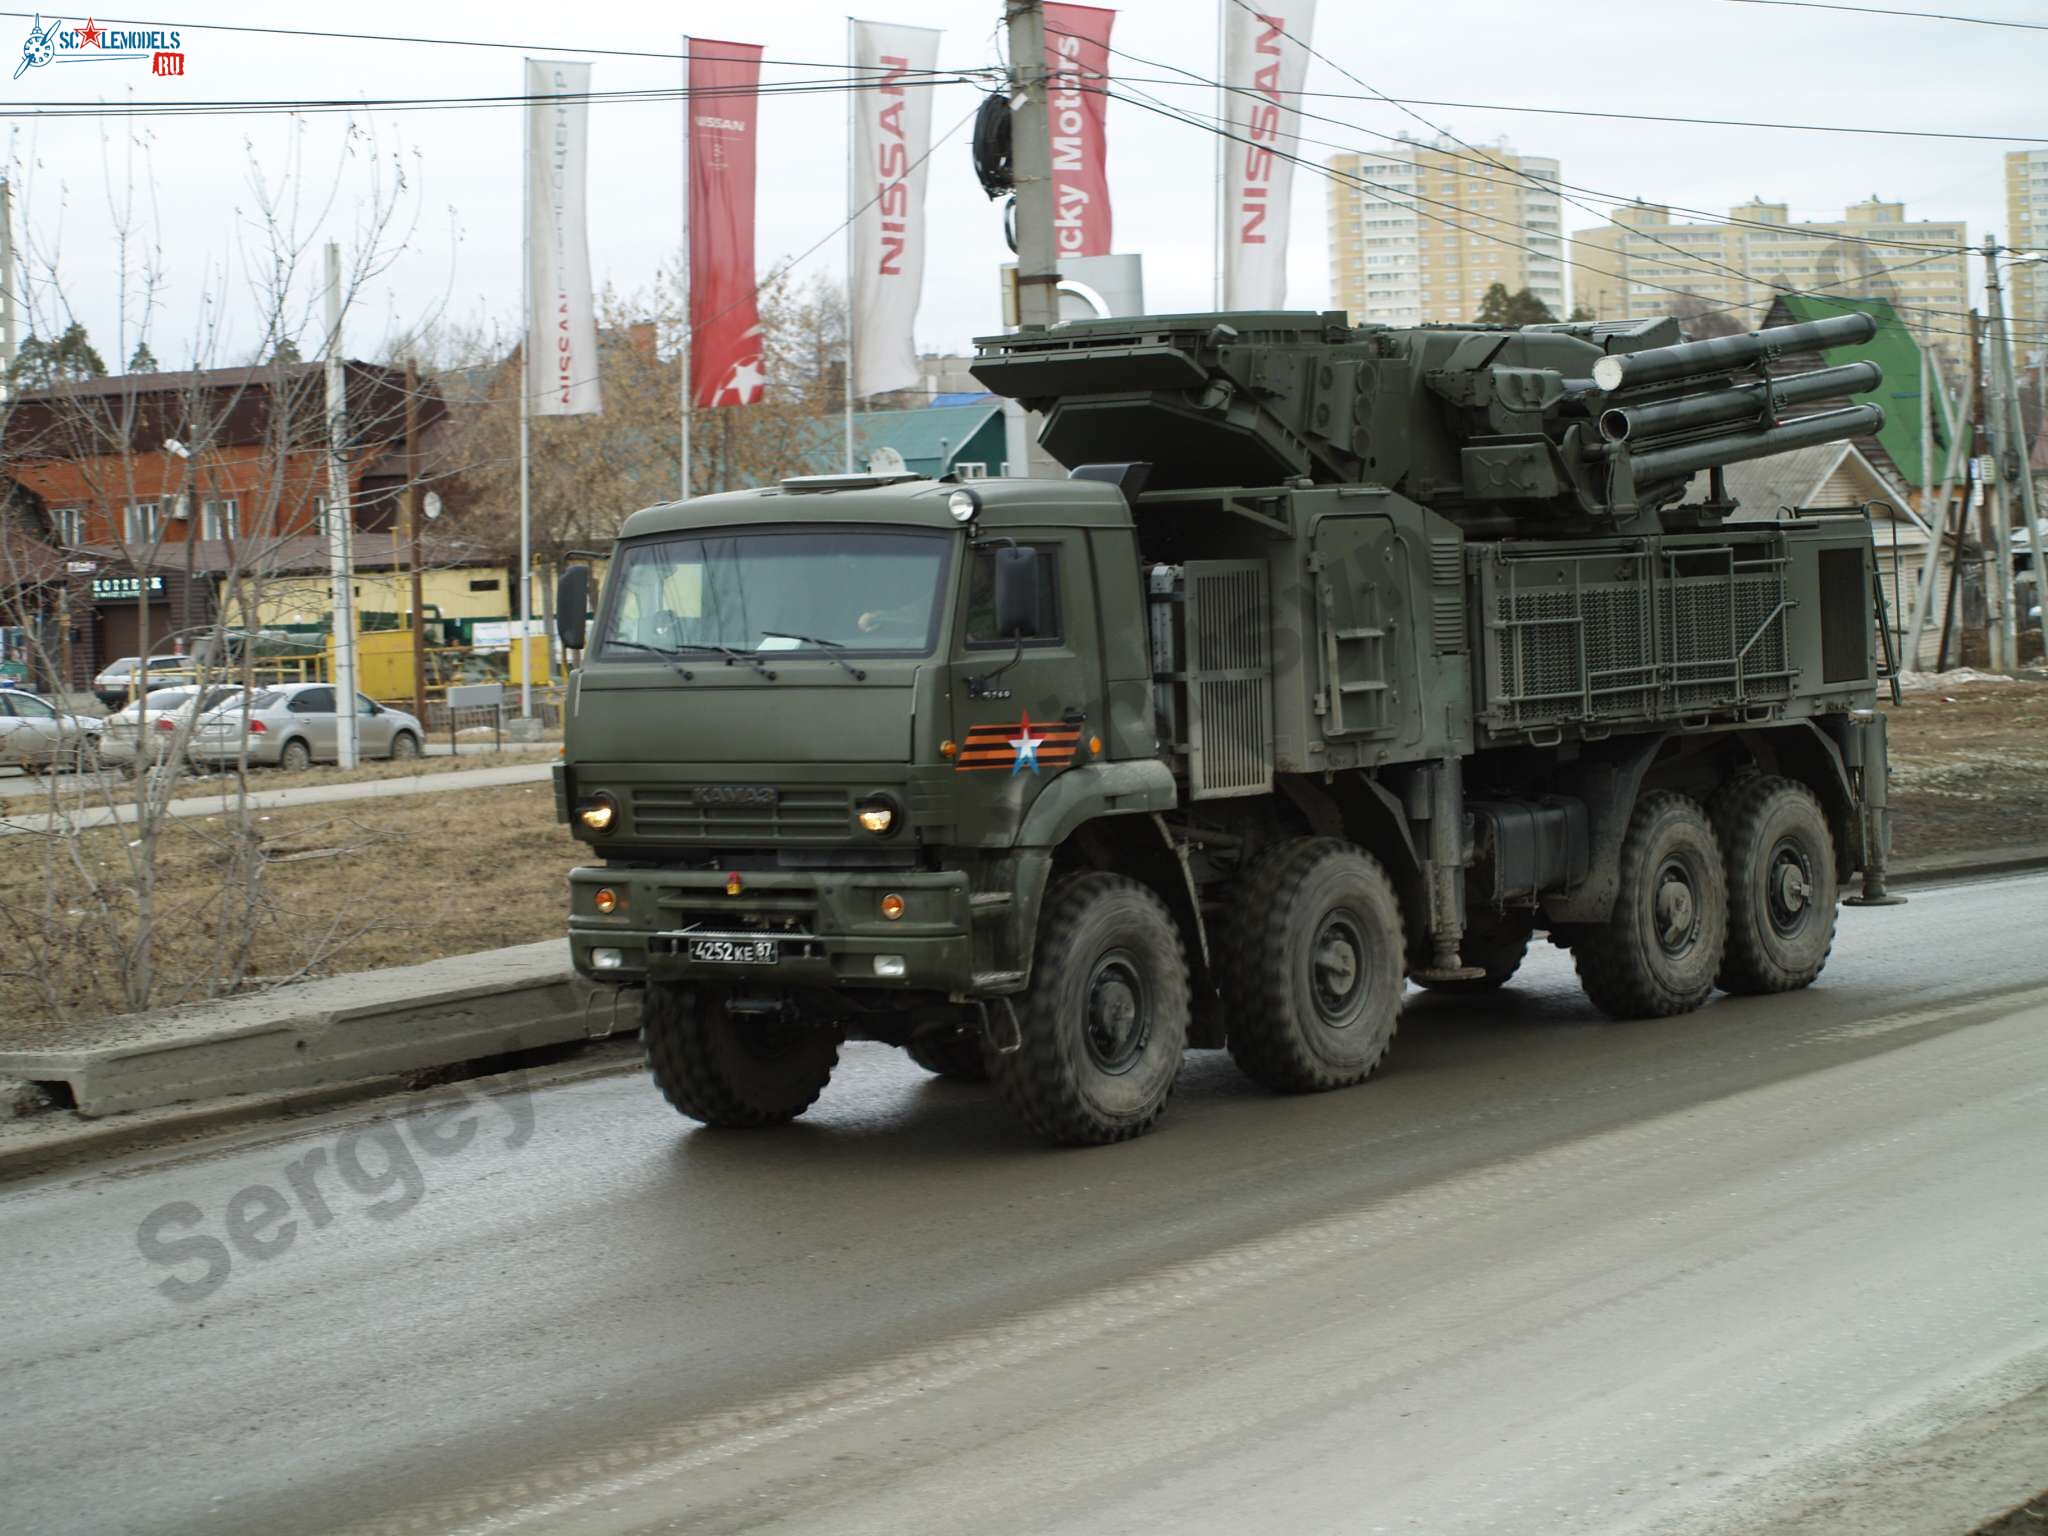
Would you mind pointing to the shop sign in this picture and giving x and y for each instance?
(106, 588)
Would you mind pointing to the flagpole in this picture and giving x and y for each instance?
(852, 238)
(683, 388)
(1222, 140)
(524, 649)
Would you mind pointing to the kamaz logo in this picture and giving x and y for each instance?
(738, 794)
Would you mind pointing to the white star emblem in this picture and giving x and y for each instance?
(1026, 747)
(743, 384)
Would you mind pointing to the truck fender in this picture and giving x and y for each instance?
(1609, 786)
(1095, 789)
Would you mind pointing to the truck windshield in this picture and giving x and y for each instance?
(857, 589)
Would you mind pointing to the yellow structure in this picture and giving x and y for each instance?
(1629, 268)
(1418, 232)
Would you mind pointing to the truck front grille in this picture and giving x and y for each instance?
(800, 816)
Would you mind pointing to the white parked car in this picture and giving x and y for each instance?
(295, 726)
(34, 733)
(145, 730)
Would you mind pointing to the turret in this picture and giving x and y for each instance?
(1553, 429)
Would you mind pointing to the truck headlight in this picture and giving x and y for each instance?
(599, 813)
(878, 815)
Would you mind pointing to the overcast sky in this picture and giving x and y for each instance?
(1706, 57)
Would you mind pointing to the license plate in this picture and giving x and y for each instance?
(735, 951)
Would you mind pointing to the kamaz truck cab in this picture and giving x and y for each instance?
(1376, 659)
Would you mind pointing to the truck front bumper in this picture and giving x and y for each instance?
(827, 927)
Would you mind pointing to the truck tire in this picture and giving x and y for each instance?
(1496, 947)
(728, 1071)
(1658, 953)
(1105, 1020)
(1313, 966)
(953, 1053)
(1780, 858)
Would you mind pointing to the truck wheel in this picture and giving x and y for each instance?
(730, 1071)
(1313, 966)
(1496, 947)
(1105, 1019)
(1657, 955)
(1780, 859)
(954, 1053)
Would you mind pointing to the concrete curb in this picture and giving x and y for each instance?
(1931, 868)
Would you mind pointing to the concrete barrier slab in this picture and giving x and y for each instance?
(315, 1033)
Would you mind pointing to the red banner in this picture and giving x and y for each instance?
(1077, 56)
(725, 325)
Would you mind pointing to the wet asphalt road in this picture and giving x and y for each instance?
(1548, 1274)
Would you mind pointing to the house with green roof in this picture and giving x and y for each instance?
(1895, 450)
(964, 439)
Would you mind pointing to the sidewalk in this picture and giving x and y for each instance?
(284, 799)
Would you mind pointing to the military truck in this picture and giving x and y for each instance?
(1345, 657)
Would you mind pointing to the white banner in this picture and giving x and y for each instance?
(1265, 58)
(561, 324)
(892, 132)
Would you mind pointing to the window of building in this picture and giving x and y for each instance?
(485, 584)
(221, 520)
(140, 522)
(70, 522)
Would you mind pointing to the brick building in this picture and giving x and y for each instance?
(169, 497)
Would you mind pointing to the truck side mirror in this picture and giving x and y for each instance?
(572, 607)
(1016, 580)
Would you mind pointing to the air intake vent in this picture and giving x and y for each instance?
(1845, 619)
(1229, 625)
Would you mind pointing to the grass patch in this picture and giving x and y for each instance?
(351, 887)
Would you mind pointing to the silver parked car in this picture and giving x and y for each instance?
(295, 726)
(34, 733)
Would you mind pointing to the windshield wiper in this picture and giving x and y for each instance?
(674, 652)
(831, 648)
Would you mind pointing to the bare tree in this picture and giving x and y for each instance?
(223, 458)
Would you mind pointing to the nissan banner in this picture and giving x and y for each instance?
(561, 328)
(1265, 58)
(892, 134)
(725, 322)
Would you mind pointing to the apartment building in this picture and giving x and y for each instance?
(2026, 228)
(1644, 263)
(1419, 232)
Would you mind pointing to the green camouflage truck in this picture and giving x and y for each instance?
(1344, 658)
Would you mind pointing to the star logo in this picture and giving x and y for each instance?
(89, 34)
(1026, 747)
(743, 385)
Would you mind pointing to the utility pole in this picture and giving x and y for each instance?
(413, 497)
(340, 525)
(8, 336)
(1935, 512)
(1038, 300)
(2015, 459)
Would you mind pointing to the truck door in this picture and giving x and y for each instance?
(1022, 714)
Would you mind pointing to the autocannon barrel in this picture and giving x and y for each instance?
(1715, 354)
(1756, 442)
(1738, 403)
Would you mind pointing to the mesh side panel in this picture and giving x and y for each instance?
(1653, 644)
(1229, 692)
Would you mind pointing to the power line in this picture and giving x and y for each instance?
(1660, 117)
(435, 42)
(314, 106)
(1195, 80)
(1332, 175)
(1878, 10)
